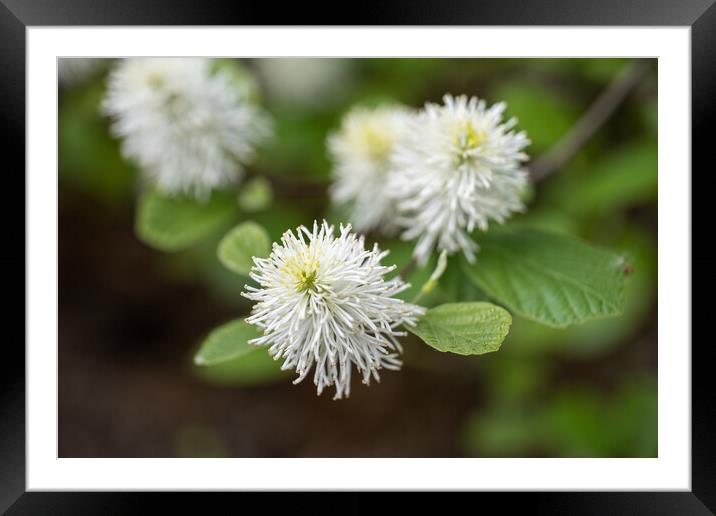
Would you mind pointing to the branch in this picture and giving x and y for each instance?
(408, 268)
(592, 120)
(292, 187)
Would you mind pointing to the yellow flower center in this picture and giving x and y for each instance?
(469, 138)
(307, 280)
(155, 81)
(301, 272)
(375, 143)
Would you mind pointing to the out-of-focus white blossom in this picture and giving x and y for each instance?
(323, 303)
(459, 166)
(189, 128)
(361, 151)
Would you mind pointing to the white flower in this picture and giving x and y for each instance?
(71, 70)
(189, 129)
(323, 303)
(459, 167)
(362, 151)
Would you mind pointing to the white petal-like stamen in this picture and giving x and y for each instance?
(458, 167)
(323, 304)
(189, 129)
(361, 151)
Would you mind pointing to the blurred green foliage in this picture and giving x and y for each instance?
(195, 440)
(575, 421)
(174, 223)
(542, 113)
(528, 403)
(89, 158)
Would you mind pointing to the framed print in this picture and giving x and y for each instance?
(347, 258)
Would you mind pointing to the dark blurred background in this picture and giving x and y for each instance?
(131, 318)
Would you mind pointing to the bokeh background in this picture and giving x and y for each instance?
(131, 318)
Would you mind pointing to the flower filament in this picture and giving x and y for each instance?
(307, 280)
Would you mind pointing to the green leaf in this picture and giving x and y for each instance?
(550, 278)
(241, 244)
(174, 223)
(254, 369)
(585, 341)
(227, 342)
(256, 195)
(464, 328)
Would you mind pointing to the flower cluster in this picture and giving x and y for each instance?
(188, 127)
(452, 168)
(323, 303)
(362, 151)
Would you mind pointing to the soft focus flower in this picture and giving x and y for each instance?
(361, 151)
(459, 166)
(189, 129)
(71, 70)
(323, 303)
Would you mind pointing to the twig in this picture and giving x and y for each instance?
(292, 188)
(598, 113)
(408, 268)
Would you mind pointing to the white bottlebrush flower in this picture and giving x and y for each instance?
(323, 304)
(71, 70)
(190, 130)
(361, 151)
(459, 167)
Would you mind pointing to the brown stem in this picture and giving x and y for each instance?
(408, 268)
(593, 119)
(292, 187)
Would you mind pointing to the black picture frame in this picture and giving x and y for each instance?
(17, 15)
